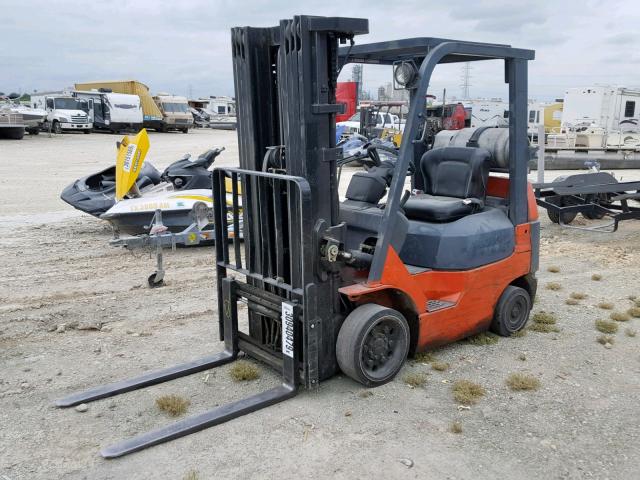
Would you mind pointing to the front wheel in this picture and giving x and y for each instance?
(512, 311)
(57, 129)
(87, 131)
(373, 344)
(185, 130)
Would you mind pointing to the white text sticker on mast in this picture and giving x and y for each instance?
(131, 148)
(287, 329)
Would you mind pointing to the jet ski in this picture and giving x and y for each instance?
(129, 193)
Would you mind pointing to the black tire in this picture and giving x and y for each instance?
(373, 344)
(86, 131)
(566, 217)
(185, 130)
(154, 282)
(512, 311)
(56, 128)
(600, 199)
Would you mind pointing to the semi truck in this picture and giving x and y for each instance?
(64, 112)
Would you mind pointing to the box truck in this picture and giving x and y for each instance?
(64, 112)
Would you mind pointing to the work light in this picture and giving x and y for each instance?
(405, 74)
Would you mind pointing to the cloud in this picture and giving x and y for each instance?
(184, 47)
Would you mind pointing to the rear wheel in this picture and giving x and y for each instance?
(512, 311)
(185, 130)
(373, 344)
(86, 131)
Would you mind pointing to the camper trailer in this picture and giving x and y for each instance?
(614, 109)
(489, 113)
(64, 112)
(151, 114)
(112, 112)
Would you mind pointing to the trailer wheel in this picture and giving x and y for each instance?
(512, 311)
(373, 344)
(561, 202)
(155, 280)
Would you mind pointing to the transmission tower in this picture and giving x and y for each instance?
(356, 76)
(466, 80)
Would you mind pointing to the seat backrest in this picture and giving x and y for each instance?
(460, 172)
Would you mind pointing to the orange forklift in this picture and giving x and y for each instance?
(356, 285)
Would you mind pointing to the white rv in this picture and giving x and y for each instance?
(112, 111)
(492, 112)
(64, 112)
(615, 109)
(220, 106)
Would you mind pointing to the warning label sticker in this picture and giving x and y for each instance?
(287, 329)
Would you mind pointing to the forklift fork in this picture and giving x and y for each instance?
(218, 415)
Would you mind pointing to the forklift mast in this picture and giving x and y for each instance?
(285, 81)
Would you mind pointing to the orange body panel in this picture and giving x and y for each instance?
(475, 292)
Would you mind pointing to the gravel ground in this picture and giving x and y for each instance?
(75, 312)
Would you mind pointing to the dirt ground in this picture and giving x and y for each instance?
(75, 312)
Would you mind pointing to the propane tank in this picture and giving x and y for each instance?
(495, 140)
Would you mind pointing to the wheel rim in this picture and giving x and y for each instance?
(517, 312)
(383, 348)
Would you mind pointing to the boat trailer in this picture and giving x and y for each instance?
(595, 195)
(159, 237)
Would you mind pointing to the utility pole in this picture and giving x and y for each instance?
(466, 80)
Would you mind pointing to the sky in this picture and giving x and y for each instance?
(183, 47)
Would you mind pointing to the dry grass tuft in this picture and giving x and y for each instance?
(424, 357)
(544, 317)
(620, 316)
(523, 381)
(467, 392)
(456, 427)
(484, 338)
(553, 286)
(244, 371)
(522, 357)
(174, 405)
(191, 475)
(630, 332)
(606, 305)
(572, 301)
(543, 328)
(606, 326)
(596, 277)
(553, 269)
(605, 339)
(415, 379)
(634, 312)
(439, 366)
(578, 295)
(519, 333)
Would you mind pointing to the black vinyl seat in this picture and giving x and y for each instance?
(455, 184)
